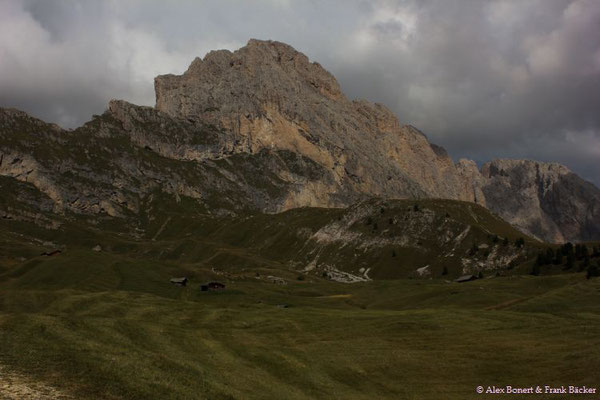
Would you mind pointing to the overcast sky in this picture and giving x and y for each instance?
(485, 79)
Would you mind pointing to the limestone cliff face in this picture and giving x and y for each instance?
(544, 199)
(268, 95)
(472, 180)
(265, 129)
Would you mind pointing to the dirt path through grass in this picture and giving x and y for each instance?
(162, 228)
(508, 303)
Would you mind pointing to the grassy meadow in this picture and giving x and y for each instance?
(104, 326)
(108, 324)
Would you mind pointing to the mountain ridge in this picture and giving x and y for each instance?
(422, 168)
(274, 132)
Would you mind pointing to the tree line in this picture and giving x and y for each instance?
(570, 256)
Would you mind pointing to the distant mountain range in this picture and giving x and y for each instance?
(263, 129)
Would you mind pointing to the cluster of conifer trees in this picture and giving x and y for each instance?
(570, 256)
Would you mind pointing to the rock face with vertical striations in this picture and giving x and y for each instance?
(265, 129)
(544, 199)
(268, 95)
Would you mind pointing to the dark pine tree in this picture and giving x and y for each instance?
(541, 259)
(520, 242)
(593, 271)
(559, 258)
(586, 261)
(474, 249)
(549, 255)
(578, 254)
(567, 248)
(584, 251)
(570, 261)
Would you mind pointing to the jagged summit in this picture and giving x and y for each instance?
(260, 72)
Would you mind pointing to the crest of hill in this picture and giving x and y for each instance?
(263, 128)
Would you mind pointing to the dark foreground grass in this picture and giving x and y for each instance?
(133, 336)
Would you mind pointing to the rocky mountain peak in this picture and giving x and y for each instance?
(259, 75)
(264, 128)
(268, 95)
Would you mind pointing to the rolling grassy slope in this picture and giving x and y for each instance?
(108, 324)
(112, 327)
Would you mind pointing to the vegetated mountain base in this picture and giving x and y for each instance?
(375, 239)
(101, 319)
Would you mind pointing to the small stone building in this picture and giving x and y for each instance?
(179, 281)
(51, 253)
(212, 286)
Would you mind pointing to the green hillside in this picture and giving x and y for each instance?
(391, 239)
(108, 324)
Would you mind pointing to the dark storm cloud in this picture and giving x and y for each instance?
(489, 79)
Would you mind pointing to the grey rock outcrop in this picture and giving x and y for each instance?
(546, 200)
